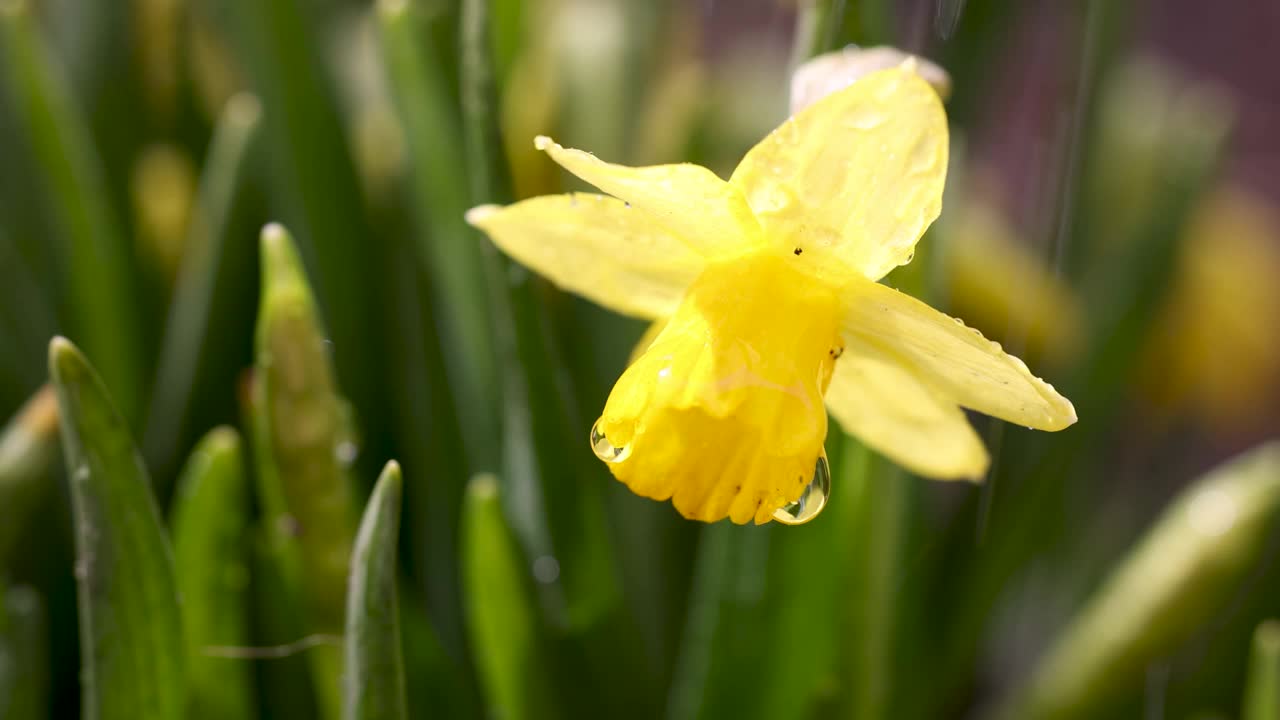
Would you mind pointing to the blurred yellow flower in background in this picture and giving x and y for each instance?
(995, 280)
(770, 285)
(1214, 351)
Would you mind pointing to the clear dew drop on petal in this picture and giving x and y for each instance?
(604, 449)
(812, 500)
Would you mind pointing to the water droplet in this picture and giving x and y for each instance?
(288, 526)
(346, 452)
(546, 569)
(812, 500)
(606, 450)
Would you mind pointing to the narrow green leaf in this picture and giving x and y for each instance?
(817, 23)
(24, 655)
(502, 616)
(446, 246)
(94, 255)
(1262, 693)
(314, 184)
(430, 449)
(26, 300)
(882, 542)
(307, 496)
(28, 447)
(130, 631)
(211, 233)
(286, 671)
(720, 668)
(210, 526)
(1185, 569)
(825, 606)
(544, 446)
(306, 428)
(784, 584)
(373, 676)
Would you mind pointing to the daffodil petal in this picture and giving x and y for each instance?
(882, 404)
(689, 201)
(651, 333)
(856, 177)
(596, 247)
(969, 369)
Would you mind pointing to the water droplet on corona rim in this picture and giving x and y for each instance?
(812, 500)
(604, 449)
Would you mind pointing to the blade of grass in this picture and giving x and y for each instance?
(430, 449)
(130, 631)
(210, 534)
(211, 231)
(1262, 692)
(28, 448)
(446, 246)
(100, 307)
(24, 655)
(809, 596)
(26, 314)
(880, 533)
(442, 684)
(373, 676)
(277, 624)
(1185, 569)
(502, 617)
(881, 599)
(783, 583)
(544, 446)
(719, 666)
(310, 509)
(314, 183)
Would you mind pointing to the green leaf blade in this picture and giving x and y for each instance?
(1262, 691)
(210, 522)
(303, 427)
(24, 654)
(211, 244)
(131, 633)
(1182, 572)
(502, 615)
(90, 247)
(374, 685)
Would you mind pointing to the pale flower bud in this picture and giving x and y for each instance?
(835, 70)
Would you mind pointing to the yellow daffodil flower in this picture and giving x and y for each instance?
(997, 282)
(768, 282)
(1206, 355)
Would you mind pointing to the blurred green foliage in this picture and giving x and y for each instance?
(498, 571)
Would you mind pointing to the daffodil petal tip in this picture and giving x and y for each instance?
(542, 142)
(476, 215)
(1069, 417)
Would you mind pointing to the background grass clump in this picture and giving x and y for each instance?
(287, 438)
